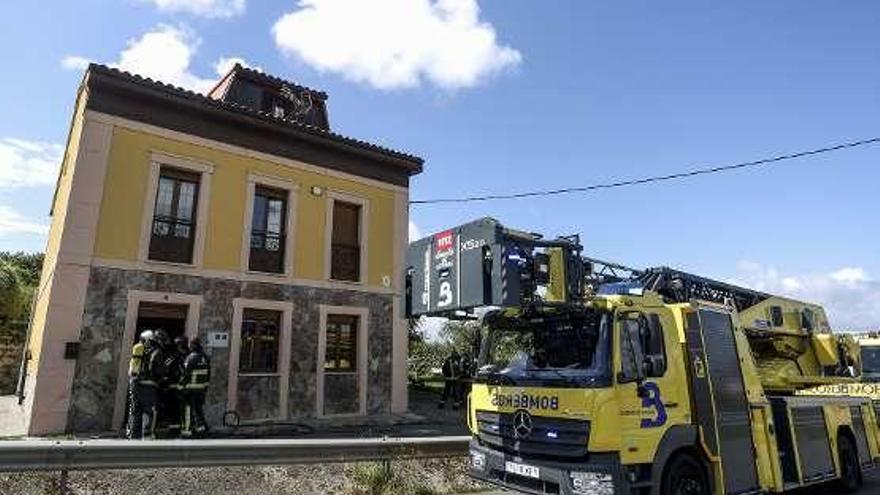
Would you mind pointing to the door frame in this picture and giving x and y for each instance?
(135, 298)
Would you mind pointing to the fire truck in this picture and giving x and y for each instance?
(597, 378)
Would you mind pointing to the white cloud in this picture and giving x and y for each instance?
(850, 296)
(204, 8)
(28, 163)
(414, 232)
(393, 44)
(225, 64)
(164, 54)
(12, 222)
(73, 62)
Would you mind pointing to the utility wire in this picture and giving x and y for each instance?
(647, 180)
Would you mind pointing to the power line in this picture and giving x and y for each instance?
(657, 178)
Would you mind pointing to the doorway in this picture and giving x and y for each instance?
(176, 314)
(170, 318)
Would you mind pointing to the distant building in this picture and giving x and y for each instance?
(240, 218)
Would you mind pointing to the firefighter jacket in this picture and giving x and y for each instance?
(146, 364)
(196, 371)
(173, 363)
(136, 363)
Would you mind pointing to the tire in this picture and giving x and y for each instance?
(685, 475)
(850, 470)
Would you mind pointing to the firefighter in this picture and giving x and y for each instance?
(171, 390)
(450, 380)
(465, 372)
(196, 377)
(134, 423)
(143, 386)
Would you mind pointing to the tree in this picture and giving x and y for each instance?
(19, 278)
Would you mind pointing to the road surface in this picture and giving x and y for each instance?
(872, 487)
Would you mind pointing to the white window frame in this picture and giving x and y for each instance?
(135, 298)
(332, 198)
(363, 315)
(205, 171)
(239, 305)
(292, 189)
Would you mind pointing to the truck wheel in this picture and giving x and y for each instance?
(684, 476)
(850, 471)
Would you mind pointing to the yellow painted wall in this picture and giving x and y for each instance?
(127, 184)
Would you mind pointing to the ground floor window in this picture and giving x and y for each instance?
(341, 353)
(260, 341)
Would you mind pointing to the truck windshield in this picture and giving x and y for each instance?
(549, 354)
(871, 360)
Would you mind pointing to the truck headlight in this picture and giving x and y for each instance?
(478, 460)
(592, 483)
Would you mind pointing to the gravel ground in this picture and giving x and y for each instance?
(435, 476)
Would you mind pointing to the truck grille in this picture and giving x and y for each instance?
(548, 436)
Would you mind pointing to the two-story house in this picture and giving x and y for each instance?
(238, 217)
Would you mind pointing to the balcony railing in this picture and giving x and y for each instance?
(267, 252)
(345, 262)
(172, 239)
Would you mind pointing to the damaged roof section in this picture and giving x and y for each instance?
(272, 95)
(253, 110)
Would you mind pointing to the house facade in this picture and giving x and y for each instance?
(238, 217)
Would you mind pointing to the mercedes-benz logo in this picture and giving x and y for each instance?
(522, 424)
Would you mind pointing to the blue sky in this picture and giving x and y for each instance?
(514, 95)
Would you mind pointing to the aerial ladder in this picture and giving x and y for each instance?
(598, 378)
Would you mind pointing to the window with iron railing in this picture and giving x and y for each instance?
(268, 230)
(345, 254)
(174, 219)
(260, 341)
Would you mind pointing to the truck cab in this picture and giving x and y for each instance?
(581, 403)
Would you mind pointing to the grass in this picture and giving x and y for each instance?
(412, 477)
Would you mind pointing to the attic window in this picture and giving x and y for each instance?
(808, 320)
(776, 316)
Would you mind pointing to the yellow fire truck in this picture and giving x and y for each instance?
(595, 378)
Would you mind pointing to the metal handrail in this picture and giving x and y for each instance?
(64, 455)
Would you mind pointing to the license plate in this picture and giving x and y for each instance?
(522, 470)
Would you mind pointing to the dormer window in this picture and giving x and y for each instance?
(278, 111)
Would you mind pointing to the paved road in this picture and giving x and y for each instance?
(872, 487)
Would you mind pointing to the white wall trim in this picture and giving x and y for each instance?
(135, 298)
(229, 148)
(363, 315)
(292, 189)
(284, 350)
(332, 198)
(205, 172)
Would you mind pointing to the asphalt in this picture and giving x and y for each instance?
(871, 487)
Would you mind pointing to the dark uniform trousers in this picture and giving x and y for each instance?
(196, 376)
(193, 423)
(142, 409)
(142, 396)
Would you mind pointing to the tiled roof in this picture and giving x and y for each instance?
(311, 130)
